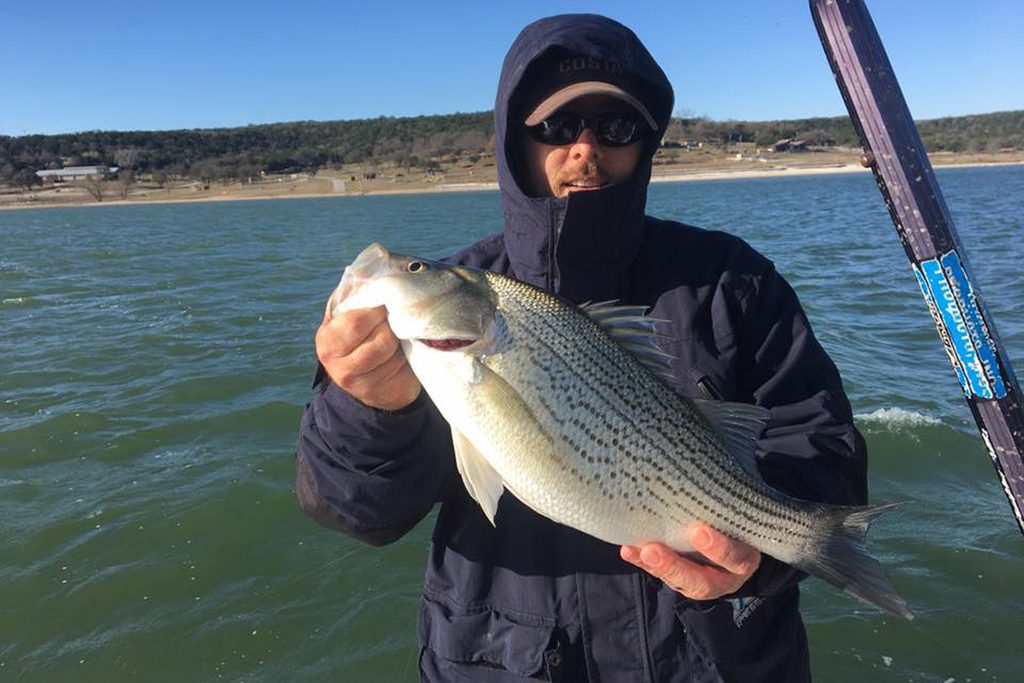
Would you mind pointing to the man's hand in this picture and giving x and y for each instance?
(735, 563)
(362, 356)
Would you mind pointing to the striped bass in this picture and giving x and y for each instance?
(561, 406)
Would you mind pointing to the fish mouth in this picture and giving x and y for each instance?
(446, 344)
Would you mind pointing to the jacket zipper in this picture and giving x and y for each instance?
(555, 218)
(708, 389)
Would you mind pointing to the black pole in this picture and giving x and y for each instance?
(894, 152)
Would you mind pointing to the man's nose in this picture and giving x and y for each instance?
(586, 145)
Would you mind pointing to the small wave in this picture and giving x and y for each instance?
(898, 417)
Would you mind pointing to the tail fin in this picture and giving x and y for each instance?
(843, 561)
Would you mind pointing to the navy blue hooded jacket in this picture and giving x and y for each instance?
(531, 599)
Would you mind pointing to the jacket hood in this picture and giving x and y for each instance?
(580, 246)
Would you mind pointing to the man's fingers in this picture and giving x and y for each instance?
(383, 373)
(348, 331)
(376, 349)
(327, 308)
(731, 555)
(734, 562)
(391, 385)
(683, 575)
(361, 366)
(629, 554)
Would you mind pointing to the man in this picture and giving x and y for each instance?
(580, 110)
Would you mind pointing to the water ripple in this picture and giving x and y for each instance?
(157, 359)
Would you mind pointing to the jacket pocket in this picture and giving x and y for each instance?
(483, 638)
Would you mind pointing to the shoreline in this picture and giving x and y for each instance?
(712, 174)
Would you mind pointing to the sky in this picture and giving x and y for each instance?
(148, 65)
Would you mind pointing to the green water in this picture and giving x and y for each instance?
(155, 364)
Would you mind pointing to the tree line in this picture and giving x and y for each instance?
(422, 141)
(975, 133)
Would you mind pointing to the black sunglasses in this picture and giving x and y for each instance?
(616, 129)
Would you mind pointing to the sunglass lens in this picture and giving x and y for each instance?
(617, 129)
(563, 128)
(560, 129)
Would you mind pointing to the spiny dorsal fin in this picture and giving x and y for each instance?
(738, 425)
(634, 331)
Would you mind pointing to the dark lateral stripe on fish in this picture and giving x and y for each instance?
(722, 478)
(712, 468)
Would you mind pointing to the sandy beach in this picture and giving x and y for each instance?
(351, 181)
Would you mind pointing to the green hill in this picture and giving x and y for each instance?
(422, 141)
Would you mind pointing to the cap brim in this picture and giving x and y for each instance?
(552, 103)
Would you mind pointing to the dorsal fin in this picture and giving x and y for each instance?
(738, 425)
(634, 331)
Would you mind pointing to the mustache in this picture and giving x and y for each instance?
(589, 171)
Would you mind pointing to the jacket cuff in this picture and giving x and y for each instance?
(771, 578)
(367, 431)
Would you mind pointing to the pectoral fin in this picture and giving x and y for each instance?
(482, 481)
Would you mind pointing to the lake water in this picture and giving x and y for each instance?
(155, 361)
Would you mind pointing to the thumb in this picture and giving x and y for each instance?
(329, 305)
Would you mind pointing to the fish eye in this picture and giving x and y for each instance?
(416, 266)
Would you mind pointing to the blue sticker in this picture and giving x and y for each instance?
(946, 287)
(974, 321)
(937, 317)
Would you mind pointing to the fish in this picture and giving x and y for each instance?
(566, 408)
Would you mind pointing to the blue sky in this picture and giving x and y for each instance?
(146, 65)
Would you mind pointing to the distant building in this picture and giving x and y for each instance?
(790, 145)
(77, 172)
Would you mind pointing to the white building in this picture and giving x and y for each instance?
(77, 172)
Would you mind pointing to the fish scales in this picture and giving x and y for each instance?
(583, 363)
(548, 404)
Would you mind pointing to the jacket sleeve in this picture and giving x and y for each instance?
(810, 447)
(369, 473)
(374, 474)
